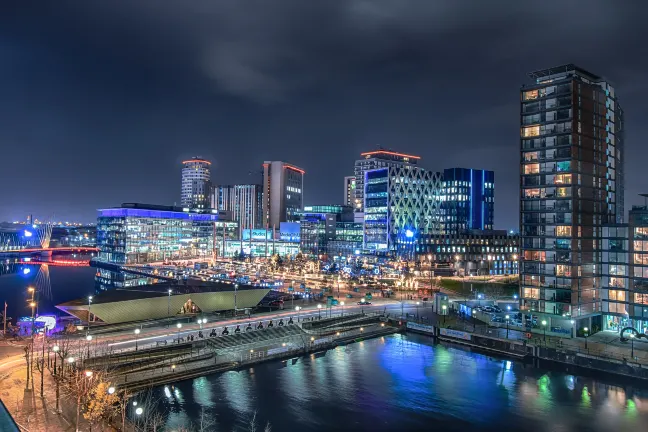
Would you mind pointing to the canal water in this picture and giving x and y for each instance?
(395, 383)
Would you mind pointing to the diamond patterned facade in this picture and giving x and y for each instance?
(400, 201)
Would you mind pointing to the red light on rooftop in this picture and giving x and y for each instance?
(389, 153)
(197, 160)
(294, 168)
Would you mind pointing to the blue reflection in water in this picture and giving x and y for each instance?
(406, 383)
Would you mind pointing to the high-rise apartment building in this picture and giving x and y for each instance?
(571, 185)
(245, 202)
(374, 160)
(196, 183)
(283, 192)
(349, 190)
(467, 200)
(400, 202)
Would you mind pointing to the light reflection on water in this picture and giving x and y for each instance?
(407, 383)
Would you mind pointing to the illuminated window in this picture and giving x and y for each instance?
(563, 179)
(562, 192)
(532, 169)
(531, 131)
(616, 295)
(563, 231)
(531, 156)
(530, 95)
(563, 270)
(532, 193)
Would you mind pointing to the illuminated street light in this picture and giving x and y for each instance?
(111, 390)
(544, 329)
(139, 411)
(88, 373)
(89, 338)
(137, 332)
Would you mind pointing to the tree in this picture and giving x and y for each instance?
(101, 403)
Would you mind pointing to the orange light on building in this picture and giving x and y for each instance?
(197, 160)
(294, 168)
(389, 153)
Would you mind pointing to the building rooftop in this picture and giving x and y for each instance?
(544, 73)
(161, 211)
(388, 153)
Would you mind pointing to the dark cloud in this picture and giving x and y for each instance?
(102, 100)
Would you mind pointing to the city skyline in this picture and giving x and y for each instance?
(111, 122)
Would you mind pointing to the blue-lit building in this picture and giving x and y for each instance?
(467, 200)
(141, 233)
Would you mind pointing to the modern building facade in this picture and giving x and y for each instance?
(283, 192)
(472, 252)
(349, 190)
(373, 160)
(571, 148)
(196, 183)
(400, 202)
(245, 202)
(467, 200)
(141, 233)
(329, 230)
(624, 290)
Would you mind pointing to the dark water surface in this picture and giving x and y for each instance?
(396, 383)
(403, 383)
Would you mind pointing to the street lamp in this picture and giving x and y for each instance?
(319, 310)
(585, 331)
(572, 329)
(544, 330)
(88, 373)
(169, 308)
(632, 336)
(55, 348)
(342, 303)
(89, 302)
(508, 317)
(137, 332)
(179, 326)
(297, 308)
(443, 308)
(139, 411)
(474, 314)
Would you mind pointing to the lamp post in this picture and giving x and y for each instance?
(417, 309)
(179, 326)
(55, 348)
(508, 317)
(89, 313)
(544, 330)
(474, 313)
(297, 308)
(319, 311)
(585, 331)
(632, 336)
(137, 332)
(572, 329)
(169, 308)
(342, 304)
(338, 281)
(443, 308)
(479, 297)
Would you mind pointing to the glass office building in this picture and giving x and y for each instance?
(467, 200)
(571, 176)
(140, 233)
(400, 202)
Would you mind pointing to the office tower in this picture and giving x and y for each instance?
(400, 202)
(349, 190)
(571, 185)
(330, 230)
(467, 201)
(243, 201)
(196, 183)
(141, 233)
(283, 189)
(373, 160)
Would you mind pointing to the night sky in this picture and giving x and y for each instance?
(101, 101)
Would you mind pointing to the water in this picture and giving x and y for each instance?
(405, 383)
(396, 383)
